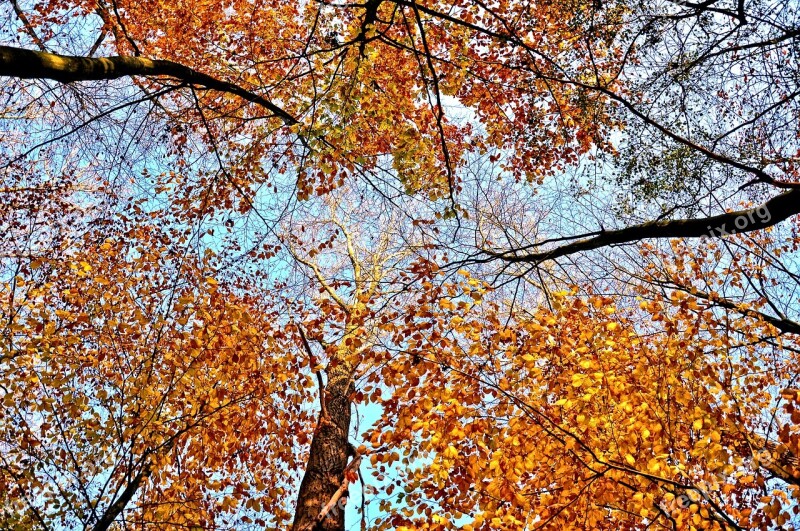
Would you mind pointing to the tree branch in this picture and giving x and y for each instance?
(783, 324)
(30, 64)
(312, 361)
(779, 208)
(28, 26)
(119, 505)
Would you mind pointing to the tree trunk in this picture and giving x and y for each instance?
(329, 455)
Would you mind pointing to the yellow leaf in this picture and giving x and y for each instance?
(451, 452)
(522, 500)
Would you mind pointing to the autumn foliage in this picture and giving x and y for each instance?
(399, 264)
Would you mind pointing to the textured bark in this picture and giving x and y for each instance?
(30, 64)
(329, 455)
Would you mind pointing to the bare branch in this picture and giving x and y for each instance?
(28, 26)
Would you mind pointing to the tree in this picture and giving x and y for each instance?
(233, 224)
(124, 381)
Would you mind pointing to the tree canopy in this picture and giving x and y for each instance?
(399, 264)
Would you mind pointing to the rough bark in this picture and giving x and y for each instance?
(30, 64)
(329, 454)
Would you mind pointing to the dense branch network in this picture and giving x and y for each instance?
(562, 408)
